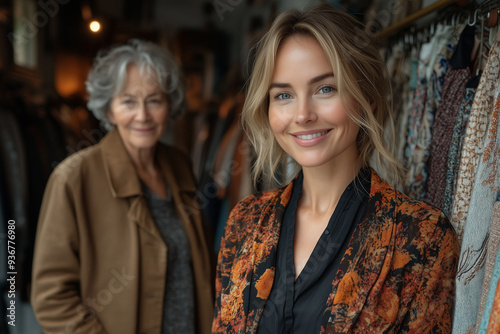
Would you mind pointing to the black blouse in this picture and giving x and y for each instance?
(297, 306)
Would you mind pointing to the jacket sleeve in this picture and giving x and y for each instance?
(225, 262)
(222, 262)
(55, 296)
(217, 323)
(431, 309)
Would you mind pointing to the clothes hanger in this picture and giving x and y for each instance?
(474, 17)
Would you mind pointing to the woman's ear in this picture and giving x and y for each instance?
(373, 105)
(110, 116)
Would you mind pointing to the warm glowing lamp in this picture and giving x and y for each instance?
(95, 26)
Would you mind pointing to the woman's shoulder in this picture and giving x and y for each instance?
(261, 199)
(386, 195)
(426, 221)
(78, 163)
(417, 208)
(418, 217)
(257, 206)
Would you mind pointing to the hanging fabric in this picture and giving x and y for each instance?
(457, 140)
(454, 88)
(490, 320)
(475, 225)
(474, 139)
(446, 39)
(493, 247)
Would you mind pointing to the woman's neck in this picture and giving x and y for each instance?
(324, 185)
(148, 170)
(143, 159)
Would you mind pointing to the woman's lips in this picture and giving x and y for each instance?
(309, 138)
(144, 130)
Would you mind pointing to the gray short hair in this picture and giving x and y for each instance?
(108, 74)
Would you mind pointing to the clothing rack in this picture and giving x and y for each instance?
(436, 6)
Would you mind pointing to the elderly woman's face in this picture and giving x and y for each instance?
(140, 111)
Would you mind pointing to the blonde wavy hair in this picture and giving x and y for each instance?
(361, 75)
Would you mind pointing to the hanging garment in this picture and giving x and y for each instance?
(14, 157)
(456, 145)
(228, 114)
(494, 319)
(409, 70)
(399, 74)
(490, 321)
(13, 153)
(435, 75)
(454, 90)
(427, 58)
(446, 116)
(402, 125)
(475, 136)
(415, 114)
(493, 246)
(470, 275)
(232, 175)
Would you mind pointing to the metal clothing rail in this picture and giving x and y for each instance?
(438, 5)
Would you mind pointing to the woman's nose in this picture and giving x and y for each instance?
(305, 112)
(142, 112)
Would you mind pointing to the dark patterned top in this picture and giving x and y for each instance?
(178, 307)
(396, 276)
(297, 305)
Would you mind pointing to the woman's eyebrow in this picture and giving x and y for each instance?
(321, 77)
(313, 80)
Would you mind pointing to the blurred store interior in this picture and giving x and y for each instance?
(47, 48)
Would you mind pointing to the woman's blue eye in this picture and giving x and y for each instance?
(326, 90)
(128, 102)
(283, 96)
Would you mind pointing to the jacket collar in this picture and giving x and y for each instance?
(124, 182)
(355, 277)
(118, 166)
(120, 172)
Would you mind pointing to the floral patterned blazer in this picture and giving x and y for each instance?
(397, 275)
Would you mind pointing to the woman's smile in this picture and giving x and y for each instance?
(310, 138)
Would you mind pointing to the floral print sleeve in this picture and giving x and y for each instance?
(431, 309)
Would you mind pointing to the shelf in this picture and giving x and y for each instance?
(438, 5)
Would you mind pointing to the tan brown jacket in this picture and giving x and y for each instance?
(100, 263)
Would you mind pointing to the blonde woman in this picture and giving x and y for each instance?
(338, 249)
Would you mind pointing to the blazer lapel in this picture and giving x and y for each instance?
(124, 182)
(263, 261)
(178, 185)
(366, 261)
(120, 172)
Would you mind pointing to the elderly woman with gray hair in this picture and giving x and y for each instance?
(120, 246)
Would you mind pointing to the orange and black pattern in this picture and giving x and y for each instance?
(397, 275)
